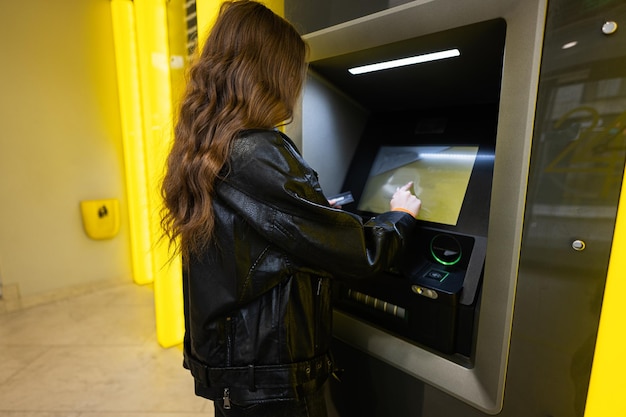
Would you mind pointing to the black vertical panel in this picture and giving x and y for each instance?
(192, 26)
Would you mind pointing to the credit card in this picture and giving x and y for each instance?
(341, 199)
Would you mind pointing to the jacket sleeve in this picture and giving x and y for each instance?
(276, 192)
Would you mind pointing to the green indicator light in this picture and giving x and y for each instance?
(446, 250)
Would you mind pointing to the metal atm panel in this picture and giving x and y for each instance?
(478, 382)
(542, 354)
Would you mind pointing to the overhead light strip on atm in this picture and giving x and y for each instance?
(418, 59)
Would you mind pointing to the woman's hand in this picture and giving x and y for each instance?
(404, 200)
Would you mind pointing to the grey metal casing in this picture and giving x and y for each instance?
(483, 385)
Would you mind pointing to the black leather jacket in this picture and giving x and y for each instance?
(257, 305)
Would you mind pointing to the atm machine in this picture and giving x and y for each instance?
(431, 297)
(515, 143)
(447, 151)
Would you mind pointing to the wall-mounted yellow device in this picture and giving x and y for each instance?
(101, 218)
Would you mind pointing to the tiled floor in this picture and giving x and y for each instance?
(92, 355)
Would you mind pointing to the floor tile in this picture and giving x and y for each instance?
(93, 355)
(14, 359)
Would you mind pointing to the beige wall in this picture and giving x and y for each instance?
(60, 143)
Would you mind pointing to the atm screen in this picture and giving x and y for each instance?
(440, 176)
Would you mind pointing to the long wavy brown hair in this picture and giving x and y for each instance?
(248, 75)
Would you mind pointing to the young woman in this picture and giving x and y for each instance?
(259, 240)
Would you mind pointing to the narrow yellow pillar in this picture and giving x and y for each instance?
(606, 396)
(125, 38)
(206, 11)
(157, 114)
(277, 6)
(150, 43)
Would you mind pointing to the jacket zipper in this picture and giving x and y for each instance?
(226, 398)
(318, 313)
(229, 358)
(229, 341)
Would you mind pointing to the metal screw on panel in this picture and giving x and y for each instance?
(579, 245)
(609, 27)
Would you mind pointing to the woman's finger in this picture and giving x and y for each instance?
(407, 186)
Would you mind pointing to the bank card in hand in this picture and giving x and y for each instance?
(341, 199)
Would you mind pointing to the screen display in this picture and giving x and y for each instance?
(440, 176)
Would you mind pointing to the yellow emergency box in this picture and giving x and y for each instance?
(101, 218)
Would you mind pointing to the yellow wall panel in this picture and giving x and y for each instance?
(207, 11)
(60, 144)
(606, 389)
